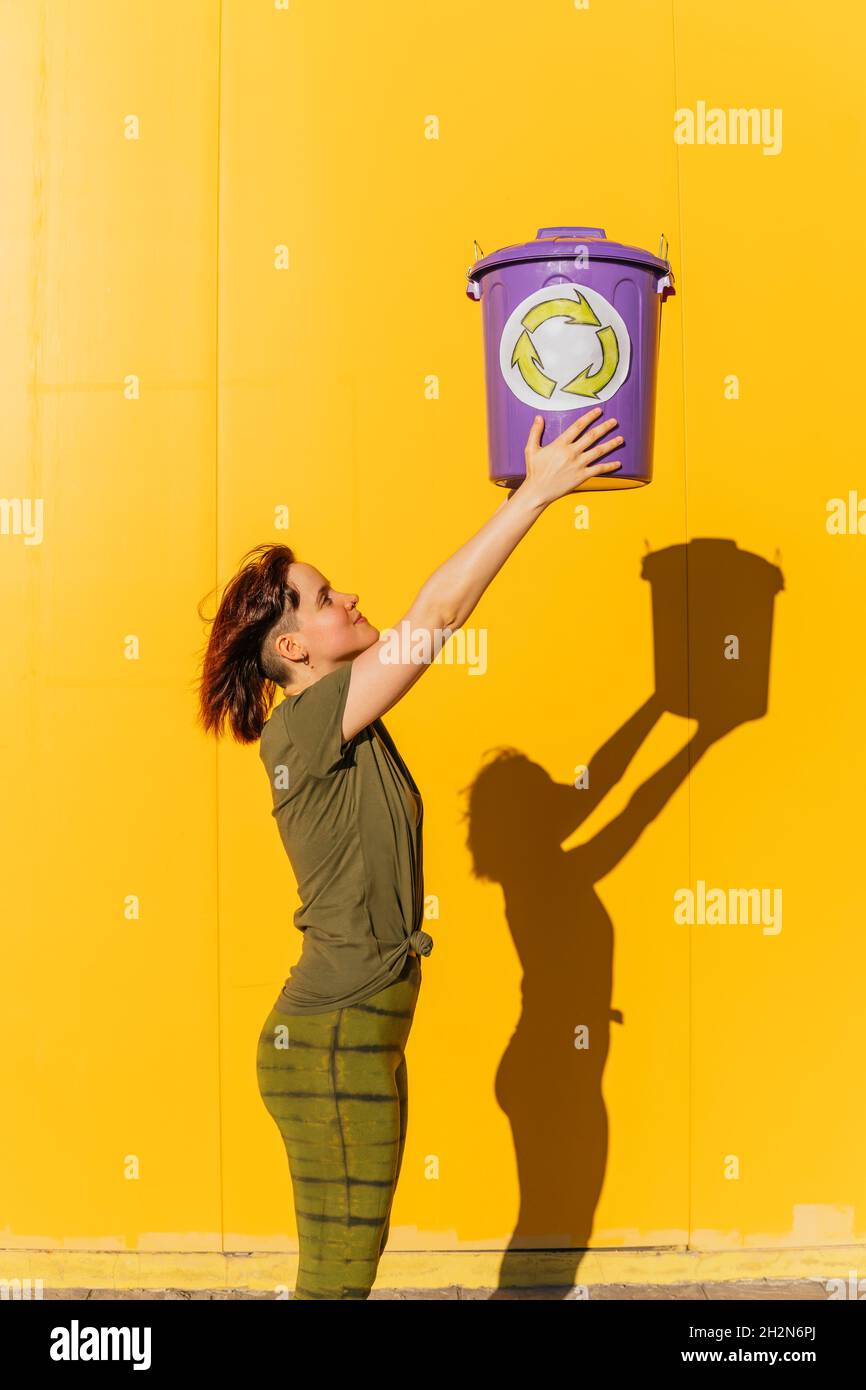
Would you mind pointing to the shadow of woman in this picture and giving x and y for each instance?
(712, 615)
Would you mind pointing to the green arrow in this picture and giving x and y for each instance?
(529, 364)
(577, 311)
(589, 384)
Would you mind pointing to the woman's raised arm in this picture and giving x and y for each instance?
(383, 673)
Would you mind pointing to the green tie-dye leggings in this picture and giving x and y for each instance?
(336, 1085)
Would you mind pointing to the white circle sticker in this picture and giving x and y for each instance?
(564, 346)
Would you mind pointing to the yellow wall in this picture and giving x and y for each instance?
(174, 395)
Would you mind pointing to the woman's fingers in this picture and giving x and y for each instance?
(586, 441)
(573, 456)
(534, 438)
(571, 432)
(606, 466)
(600, 449)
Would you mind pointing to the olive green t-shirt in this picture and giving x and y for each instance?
(350, 818)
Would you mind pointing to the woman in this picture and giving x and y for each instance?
(331, 1064)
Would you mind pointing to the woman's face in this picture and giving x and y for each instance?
(331, 628)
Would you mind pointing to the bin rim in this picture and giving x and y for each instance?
(548, 249)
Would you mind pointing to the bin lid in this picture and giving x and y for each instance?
(552, 243)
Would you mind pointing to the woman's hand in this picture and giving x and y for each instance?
(561, 466)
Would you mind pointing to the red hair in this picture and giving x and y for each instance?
(240, 669)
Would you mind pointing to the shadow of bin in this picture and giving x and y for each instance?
(704, 595)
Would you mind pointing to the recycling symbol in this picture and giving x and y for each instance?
(562, 346)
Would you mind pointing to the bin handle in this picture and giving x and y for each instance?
(569, 233)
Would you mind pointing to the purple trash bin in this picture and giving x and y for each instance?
(571, 321)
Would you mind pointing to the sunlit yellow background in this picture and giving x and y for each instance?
(233, 260)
